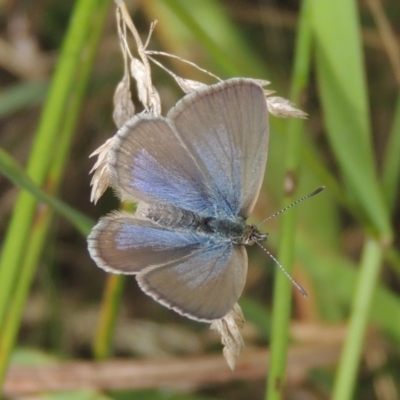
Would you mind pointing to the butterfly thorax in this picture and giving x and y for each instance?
(235, 230)
(225, 228)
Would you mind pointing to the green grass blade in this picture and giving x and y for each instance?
(20, 293)
(43, 150)
(76, 57)
(343, 91)
(283, 287)
(342, 88)
(391, 163)
(365, 288)
(10, 168)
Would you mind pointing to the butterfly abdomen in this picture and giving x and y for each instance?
(170, 217)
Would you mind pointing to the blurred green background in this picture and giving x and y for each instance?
(340, 62)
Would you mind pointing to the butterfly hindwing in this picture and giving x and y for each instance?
(203, 286)
(122, 243)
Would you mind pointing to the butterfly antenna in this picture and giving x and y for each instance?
(307, 196)
(301, 290)
(298, 286)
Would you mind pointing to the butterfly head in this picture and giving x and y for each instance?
(252, 235)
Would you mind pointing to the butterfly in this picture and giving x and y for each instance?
(195, 175)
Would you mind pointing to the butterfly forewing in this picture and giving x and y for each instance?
(148, 163)
(225, 129)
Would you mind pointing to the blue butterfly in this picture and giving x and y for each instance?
(196, 175)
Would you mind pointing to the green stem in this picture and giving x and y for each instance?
(283, 287)
(108, 316)
(364, 292)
